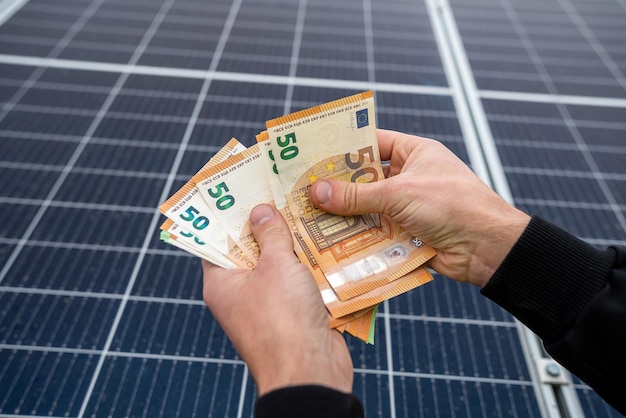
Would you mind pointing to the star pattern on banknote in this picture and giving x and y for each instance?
(313, 178)
(330, 167)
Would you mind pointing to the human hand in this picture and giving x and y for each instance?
(274, 315)
(437, 198)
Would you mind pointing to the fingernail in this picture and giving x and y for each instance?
(261, 214)
(322, 191)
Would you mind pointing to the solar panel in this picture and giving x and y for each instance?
(108, 106)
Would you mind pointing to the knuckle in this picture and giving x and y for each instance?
(351, 197)
(274, 234)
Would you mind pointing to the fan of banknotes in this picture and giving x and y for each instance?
(357, 261)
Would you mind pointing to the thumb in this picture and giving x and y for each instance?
(344, 198)
(271, 231)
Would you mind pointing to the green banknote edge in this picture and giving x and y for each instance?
(370, 336)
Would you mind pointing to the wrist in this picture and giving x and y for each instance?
(496, 239)
(300, 363)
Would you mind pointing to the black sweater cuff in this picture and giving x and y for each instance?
(308, 401)
(549, 278)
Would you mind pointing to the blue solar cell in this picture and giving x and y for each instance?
(172, 329)
(58, 321)
(194, 159)
(93, 226)
(456, 349)
(255, 65)
(5, 252)
(128, 157)
(36, 150)
(445, 298)
(45, 123)
(128, 127)
(618, 190)
(15, 72)
(530, 185)
(157, 86)
(89, 53)
(217, 133)
(154, 387)
(594, 405)
(178, 276)
(609, 136)
(373, 390)
(171, 108)
(26, 184)
(254, 111)
(123, 189)
(85, 270)
(15, 219)
(175, 59)
(541, 156)
(36, 382)
(61, 98)
(74, 78)
(14, 48)
(460, 398)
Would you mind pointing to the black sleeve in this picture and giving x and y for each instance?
(573, 296)
(308, 401)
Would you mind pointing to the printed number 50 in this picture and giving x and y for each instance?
(357, 165)
(199, 223)
(288, 151)
(225, 201)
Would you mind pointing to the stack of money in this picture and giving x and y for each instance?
(357, 261)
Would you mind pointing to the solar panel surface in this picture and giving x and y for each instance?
(108, 106)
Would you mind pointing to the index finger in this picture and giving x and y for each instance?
(386, 141)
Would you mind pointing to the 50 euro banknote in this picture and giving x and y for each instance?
(193, 221)
(357, 254)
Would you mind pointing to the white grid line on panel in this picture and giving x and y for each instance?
(242, 391)
(222, 75)
(552, 98)
(550, 172)
(473, 39)
(78, 205)
(510, 75)
(148, 175)
(582, 123)
(569, 204)
(95, 247)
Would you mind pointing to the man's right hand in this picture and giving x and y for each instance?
(437, 198)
